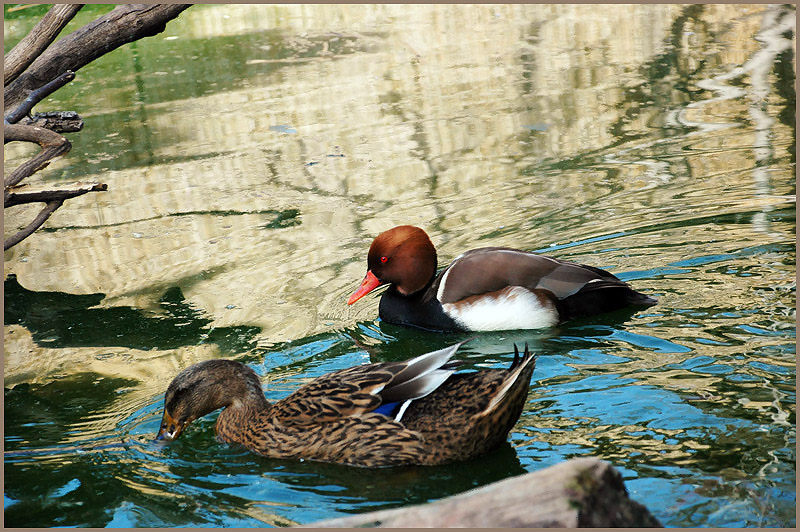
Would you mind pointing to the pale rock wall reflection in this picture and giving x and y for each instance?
(435, 120)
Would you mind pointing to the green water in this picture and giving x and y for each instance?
(252, 153)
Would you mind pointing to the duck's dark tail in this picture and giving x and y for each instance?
(601, 296)
(518, 377)
(637, 298)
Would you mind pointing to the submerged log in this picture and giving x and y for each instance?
(583, 492)
(58, 121)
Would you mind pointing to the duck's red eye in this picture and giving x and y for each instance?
(384, 258)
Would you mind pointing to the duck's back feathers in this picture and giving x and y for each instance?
(347, 392)
(420, 376)
(475, 410)
(486, 270)
(574, 289)
(363, 389)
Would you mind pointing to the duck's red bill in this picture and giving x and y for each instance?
(369, 284)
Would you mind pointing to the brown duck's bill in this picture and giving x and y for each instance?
(369, 284)
(170, 429)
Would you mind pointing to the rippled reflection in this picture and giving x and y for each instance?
(252, 153)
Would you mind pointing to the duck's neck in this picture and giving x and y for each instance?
(245, 404)
(422, 293)
(236, 422)
(420, 309)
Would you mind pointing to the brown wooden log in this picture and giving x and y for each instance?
(583, 492)
(124, 24)
(39, 38)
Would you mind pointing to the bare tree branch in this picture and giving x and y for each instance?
(38, 95)
(51, 142)
(37, 222)
(30, 79)
(37, 41)
(22, 195)
(126, 23)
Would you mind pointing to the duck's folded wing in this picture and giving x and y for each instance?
(420, 376)
(342, 393)
(486, 270)
(362, 389)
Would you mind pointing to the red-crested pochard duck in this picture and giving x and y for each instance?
(485, 289)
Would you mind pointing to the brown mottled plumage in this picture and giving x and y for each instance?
(432, 414)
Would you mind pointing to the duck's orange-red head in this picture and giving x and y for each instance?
(403, 256)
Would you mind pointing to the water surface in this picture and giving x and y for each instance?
(252, 153)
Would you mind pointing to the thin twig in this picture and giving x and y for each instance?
(16, 197)
(38, 95)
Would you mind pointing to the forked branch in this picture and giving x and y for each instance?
(33, 70)
(52, 145)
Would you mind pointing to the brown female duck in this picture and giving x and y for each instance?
(383, 414)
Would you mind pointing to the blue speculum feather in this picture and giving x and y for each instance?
(388, 409)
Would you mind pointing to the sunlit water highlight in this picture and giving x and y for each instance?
(253, 152)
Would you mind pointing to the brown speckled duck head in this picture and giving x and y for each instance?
(403, 256)
(204, 387)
